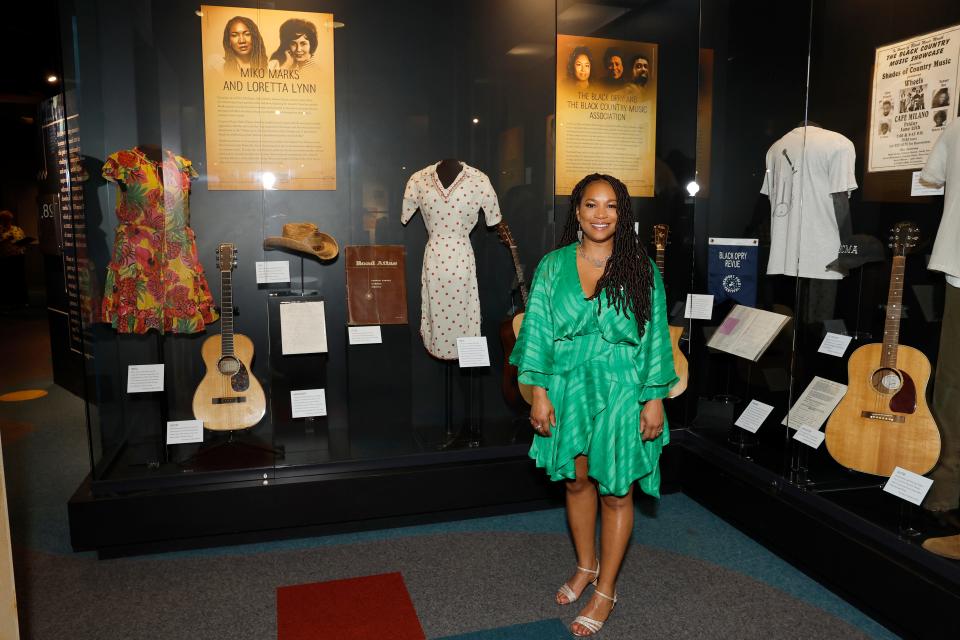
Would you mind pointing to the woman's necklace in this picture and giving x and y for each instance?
(594, 261)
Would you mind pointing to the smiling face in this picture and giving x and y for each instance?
(581, 67)
(241, 40)
(640, 71)
(615, 67)
(299, 49)
(597, 212)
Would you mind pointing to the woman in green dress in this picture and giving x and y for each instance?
(595, 346)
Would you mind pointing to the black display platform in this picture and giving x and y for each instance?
(339, 498)
(868, 563)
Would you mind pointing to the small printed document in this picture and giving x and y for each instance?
(303, 327)
(835, 344)
(473, 352)
(308, 403)
(753, 416)
(908, 485)
(144, 378)
(184, 431)
(699, 306)
(809, 436)
(365, 335)
(273, 272)
(815, 404)
(918, 188)
(747, 332)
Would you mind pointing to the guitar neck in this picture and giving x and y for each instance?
(520, 279)
(659, 261)
(226, 313)
(891, 327)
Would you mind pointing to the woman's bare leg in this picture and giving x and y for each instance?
(616, 525)
(582, 518)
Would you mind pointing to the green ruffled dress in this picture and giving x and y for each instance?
(598, 374)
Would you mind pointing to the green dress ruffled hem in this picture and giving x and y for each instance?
(598, 374)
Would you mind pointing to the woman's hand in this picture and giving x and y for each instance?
(542, 416)
(651, 420)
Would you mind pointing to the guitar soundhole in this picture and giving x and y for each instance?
(228, 365)
(887, 381)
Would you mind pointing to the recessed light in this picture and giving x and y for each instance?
(52, 79)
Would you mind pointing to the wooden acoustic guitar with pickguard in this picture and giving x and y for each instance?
(680, 364)
(229, 397)
(514, 392)
(883, 420)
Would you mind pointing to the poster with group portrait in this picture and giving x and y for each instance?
(269, 99)
(914, 98)
(606, 112)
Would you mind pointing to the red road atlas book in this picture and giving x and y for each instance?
(376, 284)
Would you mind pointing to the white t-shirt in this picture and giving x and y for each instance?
(802, 172)
(943, 167)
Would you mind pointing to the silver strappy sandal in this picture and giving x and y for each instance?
(569, 593)
(591, 625)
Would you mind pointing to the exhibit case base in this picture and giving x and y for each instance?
(285, 507)
(880, 569)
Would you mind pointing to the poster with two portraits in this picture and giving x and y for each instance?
(269, 113)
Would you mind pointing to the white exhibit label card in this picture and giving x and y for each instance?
(273, 272)
(365, 335)
(918, 188)
(184, 431)
(699, 306)
(908, 485)
(809, 436)
(144, 378)
(308, 403)
(753, 416)
(815, 404)
(303, 327)
(835, 344)
(473, 352)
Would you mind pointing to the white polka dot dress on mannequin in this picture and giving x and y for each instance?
(450, 303)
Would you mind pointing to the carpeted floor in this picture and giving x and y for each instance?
(687, 575)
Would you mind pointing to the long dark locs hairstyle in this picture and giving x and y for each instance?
(258, 53)
(628, 277)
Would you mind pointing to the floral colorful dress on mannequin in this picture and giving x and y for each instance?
(155, 279)
(450, 303)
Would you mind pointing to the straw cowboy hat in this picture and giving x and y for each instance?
(304, 237)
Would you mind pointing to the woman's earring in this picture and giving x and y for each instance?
(580, 236)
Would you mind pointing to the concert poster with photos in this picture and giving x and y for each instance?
(914, 98)
(268, 81)
(606, 114)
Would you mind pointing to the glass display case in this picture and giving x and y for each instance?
(300, 234)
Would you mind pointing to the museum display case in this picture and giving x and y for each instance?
(297, 240)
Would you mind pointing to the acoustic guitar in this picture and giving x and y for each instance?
(229, 397)
(883, 420)
(514, 392)
(680, 364)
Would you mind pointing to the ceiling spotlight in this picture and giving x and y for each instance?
(199, 13)
(692, 188)
(476, 121)
(52, 79)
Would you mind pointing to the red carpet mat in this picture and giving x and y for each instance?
(354, 609)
